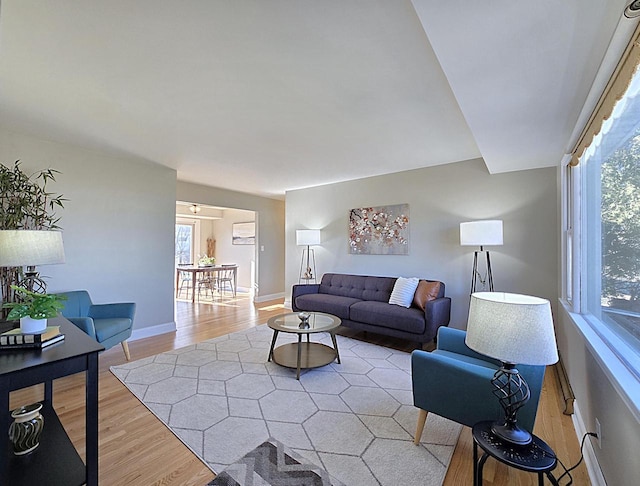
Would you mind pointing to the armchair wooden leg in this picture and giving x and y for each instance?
(422, 418)
(125, 348)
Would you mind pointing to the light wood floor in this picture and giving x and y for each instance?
(137, 449)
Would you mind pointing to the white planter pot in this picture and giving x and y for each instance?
(31, 326)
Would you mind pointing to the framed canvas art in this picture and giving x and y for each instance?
(381, 230)
(243, 233)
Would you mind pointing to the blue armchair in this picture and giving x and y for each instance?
(109, 324)
(454, 381)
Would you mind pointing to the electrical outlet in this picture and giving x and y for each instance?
(599, 432)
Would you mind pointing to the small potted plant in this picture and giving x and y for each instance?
(34, 309)
(206, 261)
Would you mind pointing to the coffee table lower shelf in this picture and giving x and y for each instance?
(312, 355)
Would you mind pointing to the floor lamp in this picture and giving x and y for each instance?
(481, 233)
(308, 263)
(514, 329)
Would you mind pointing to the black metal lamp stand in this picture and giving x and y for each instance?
(32, 281)
(308, 270)
(513, 393)
(477, 276)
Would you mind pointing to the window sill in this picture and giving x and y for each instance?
(622, 379)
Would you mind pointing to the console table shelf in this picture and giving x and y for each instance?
(55, 461)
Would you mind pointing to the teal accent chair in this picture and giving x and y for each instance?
(454, 381)
(109, 324)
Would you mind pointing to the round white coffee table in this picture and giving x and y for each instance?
(304, 355)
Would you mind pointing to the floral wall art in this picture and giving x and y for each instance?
(382, 230)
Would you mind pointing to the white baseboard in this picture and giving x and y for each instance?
(590, 459)
(156, 330)
(287, 303)
(265, 298)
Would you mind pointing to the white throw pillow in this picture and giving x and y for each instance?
(403, 291)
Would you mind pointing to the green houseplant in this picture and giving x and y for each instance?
(25, 203)
(33, 306)
(206, 260)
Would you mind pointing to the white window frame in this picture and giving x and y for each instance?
(618, 360)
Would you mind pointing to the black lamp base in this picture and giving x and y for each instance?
(512, 435)
(513, 393)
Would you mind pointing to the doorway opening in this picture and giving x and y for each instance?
(207, 239)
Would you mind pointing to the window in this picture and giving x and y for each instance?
(609, 212)
(184, 243)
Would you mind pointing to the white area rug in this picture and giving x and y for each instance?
(356, 419)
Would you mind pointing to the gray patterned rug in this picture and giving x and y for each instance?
(273, 464)
(355, 420)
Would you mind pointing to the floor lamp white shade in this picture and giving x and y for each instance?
(307, 238)
(481, 233)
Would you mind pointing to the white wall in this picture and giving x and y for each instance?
(227, 252)
(439, 199)
(118, 225)
(597, 388)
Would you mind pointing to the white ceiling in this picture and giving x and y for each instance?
(264, 96)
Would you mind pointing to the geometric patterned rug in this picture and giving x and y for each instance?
(273, 464)
(222, 398)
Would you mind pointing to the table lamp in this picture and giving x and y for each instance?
(308, 263)
(514, 329)
(481, 233)
(29, 248)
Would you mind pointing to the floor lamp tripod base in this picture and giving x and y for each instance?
(308, 267)
(476, 276)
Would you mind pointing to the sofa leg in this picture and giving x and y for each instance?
(422, 418)
(430, 346)
(125, 348)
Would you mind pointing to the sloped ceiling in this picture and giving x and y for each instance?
(268, 96)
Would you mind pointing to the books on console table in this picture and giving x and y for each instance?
(14, 339)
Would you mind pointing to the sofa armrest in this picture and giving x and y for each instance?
(85, 324)
(437, 313)
(109, 311)
(301, 289)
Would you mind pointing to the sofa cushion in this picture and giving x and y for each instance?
(403, 291)
(361, 287)
(425, 292)
(387, 315)
(330, 304)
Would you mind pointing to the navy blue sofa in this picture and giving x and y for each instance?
(362, 302)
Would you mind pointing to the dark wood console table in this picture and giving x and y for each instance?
(55, 461)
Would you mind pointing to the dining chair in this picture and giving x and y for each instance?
(207, 282)
(225, 277)
(185, 280)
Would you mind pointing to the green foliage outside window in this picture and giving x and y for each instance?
(621, 227)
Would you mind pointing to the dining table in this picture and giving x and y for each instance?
(194, 270)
